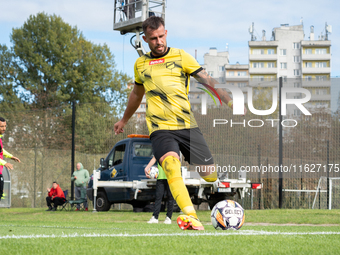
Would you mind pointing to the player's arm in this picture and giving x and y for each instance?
(9, 155)
(204, 78)
(134, 101)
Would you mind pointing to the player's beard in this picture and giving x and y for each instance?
(156, 52)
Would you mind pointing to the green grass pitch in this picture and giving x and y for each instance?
(34, 231)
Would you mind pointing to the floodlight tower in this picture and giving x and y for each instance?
(130, 14)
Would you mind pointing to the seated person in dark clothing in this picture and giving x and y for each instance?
(55, 197)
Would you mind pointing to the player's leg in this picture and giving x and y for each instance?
(200, 156)
(166, 151)
(1, 185)
(207, 172)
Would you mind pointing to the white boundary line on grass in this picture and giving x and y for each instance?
(241, 233)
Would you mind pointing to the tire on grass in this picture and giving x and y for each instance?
(102, 203)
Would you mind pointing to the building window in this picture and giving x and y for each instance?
(258, 51)
(320, 51)
(308, 64)
(258, 64)
(283, 52)
(297, 59)
(221, 68)
(271, 52)
(321, 77)
(283, 65)
(296, 72)
(308, 51)
(231, 73)
(320, 64)
(308, 78)
(296, 45)
(321, 92)
(284, 78)
(271, 64)
(297, 112)
(211, 73)
(242, 84)
(258, 78)
(297, 85)
(243, 73)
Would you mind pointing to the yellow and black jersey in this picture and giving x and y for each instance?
(166, 82)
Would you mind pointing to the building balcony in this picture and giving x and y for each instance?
(310, 70)
(262, 70)
(236, 78)
(316, 57)
(317, 43)
(255, 57)
(315, 83)
(320, 98)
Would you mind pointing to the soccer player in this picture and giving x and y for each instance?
(3, 153)
(163, 75)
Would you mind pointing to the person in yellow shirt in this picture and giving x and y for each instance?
(163, 75)
(4, 153)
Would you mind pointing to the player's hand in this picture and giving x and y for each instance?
(16, 159)
(75, 177)
(118, 127)
(9, 166)
(147, 173)
(48, 190)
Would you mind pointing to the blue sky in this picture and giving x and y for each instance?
(192, 25)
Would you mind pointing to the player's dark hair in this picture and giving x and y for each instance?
(55, 182)
(2, 119)
(153, 23)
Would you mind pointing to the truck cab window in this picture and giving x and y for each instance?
(117, 155)
(142, 150)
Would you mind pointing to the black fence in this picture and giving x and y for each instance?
(310, 150)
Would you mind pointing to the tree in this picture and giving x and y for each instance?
(9, 99)
(55, 64)
(52, 65)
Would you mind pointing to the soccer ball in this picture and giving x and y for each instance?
(153, 172)
(227, 214)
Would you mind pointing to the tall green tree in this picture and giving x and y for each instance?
(52, 65)
(9, 98)
(55, 64)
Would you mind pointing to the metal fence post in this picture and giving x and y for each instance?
(73, 145)
(259, 164)
(327, 174)
(280, 144)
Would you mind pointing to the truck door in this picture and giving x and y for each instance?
(118, 172)
(142, 154)
(116, 163)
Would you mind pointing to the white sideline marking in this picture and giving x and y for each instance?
(241, 233)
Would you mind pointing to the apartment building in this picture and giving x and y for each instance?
(301, 63)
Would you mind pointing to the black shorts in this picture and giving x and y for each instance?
(188, 141)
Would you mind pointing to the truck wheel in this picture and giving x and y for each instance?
(102, 204)
(215, 198)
